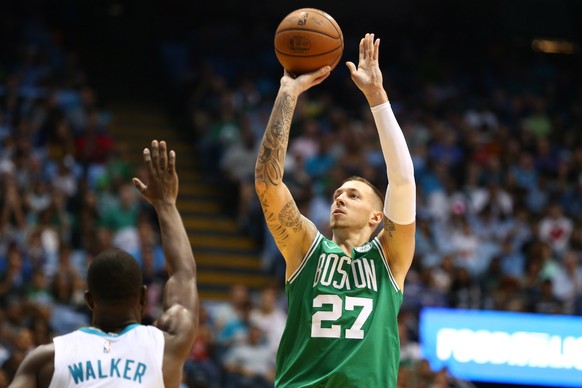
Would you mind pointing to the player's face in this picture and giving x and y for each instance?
(352, 206)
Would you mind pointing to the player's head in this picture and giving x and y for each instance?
(357, 203)
(114, 276)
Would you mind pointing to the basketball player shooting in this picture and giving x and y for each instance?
(344, 294)
(117, 351)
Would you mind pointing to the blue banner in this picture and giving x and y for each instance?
(504, 347)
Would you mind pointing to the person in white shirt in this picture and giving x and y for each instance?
(270, 318)
(117, 351)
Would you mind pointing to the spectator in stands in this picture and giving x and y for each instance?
(567, 282)
(556, 228)
(94, 144)
(269, 317)
(465, 292)
(306, 144)
(410, 353)
(237, 165)
(250, 364)
(228, 310)
(546, 302)
(122, 218)
(202, 368)
(235, 331)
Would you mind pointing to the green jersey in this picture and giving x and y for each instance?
(342, 328)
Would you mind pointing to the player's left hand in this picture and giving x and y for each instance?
(368, 76)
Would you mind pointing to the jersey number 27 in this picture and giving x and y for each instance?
(337, 309)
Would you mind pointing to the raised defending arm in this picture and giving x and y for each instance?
(180, 299)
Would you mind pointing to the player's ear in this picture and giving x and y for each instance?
(376, 218)
(143, 297)
(89, 299)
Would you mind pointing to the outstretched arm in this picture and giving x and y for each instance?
(397, 238)
(292, 232)
(180, 299)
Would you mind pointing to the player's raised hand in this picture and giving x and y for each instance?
(162, 185)
(299, 84)
(367, 75)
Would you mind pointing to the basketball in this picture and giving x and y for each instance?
(308, 39)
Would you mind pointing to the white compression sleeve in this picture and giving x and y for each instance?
(400, 201)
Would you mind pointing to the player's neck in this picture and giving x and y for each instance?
(348, 240)
(113, 319)
(112, 327)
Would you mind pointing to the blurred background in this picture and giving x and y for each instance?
(488, 94)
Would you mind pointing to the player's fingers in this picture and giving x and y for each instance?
(320, 75)
(287, 74)
(309, 79)
(163, 156)
(324, 70)
(376, 49)
(364, 47)
(320, 79)
(316, 73)
(155, 156)
(147, 158)
(172, 162)
(361, 52)
(352, 67)
(369, 46)
(139, 185)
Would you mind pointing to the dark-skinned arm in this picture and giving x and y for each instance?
(36, 370)
(180, 298)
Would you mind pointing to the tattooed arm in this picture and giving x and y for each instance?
(292, 232)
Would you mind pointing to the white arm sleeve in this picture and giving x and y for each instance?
(400, 201)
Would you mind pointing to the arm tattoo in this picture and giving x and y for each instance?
(271, 159)
(389, 226)
(290, 216)
(280, 233)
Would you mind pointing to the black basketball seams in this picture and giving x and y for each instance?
(313, 31)
(307, 56)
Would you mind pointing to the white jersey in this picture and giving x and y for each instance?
(92, 358)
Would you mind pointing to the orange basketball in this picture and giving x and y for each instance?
(308, 39)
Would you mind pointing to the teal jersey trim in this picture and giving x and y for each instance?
(101, 333)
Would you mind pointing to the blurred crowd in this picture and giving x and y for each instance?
(497, 152)
(65, 192)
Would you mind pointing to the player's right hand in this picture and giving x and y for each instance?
(303, 82)
(162, 186)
